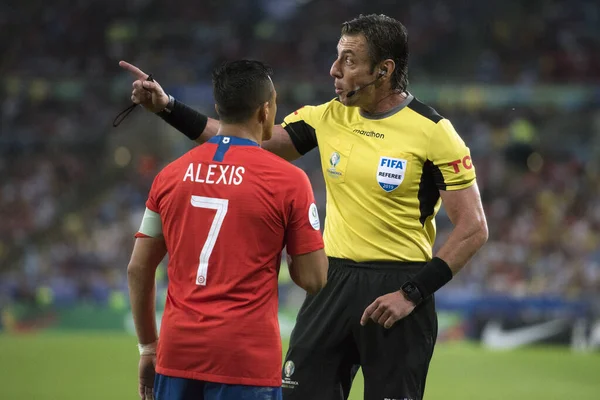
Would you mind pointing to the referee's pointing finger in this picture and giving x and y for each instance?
(138, 73)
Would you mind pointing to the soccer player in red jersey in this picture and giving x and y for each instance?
(223, 212)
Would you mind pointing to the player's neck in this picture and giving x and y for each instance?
(384, 102)
(241, 131)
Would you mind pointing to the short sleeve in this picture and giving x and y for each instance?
(303, 230)
(301, 125)
(151, 225)
(153, 197)
(451, 158)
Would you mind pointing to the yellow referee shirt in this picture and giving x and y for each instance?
(383, 175)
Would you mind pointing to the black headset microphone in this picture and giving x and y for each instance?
(353, 92)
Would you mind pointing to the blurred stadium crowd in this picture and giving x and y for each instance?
(72, 188)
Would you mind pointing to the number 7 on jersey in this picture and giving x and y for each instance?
(220, 205)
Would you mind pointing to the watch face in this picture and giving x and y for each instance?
(411, 292)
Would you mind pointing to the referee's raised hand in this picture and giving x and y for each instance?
(149, 94)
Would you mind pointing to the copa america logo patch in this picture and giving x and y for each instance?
(334, 160)
(288, 369)
(391, 172)
(313, 217)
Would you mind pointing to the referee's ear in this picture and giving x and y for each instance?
(388, 66)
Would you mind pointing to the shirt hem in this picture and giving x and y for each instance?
(228, 380)
(299, 250)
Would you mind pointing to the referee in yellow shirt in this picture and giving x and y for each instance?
(388, 162)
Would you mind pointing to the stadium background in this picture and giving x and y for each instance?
(520, 80)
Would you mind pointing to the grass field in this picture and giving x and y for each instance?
(103, 366)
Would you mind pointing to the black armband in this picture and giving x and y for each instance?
(184, 118)
(303, 136)
(435, 274)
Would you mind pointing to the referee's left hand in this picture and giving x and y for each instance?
(388, 309)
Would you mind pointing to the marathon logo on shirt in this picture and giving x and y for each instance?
(372, 134)
(214, 174)
(390, 172)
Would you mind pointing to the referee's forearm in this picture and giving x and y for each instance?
(142, 294)
(462, 244)
(193, 124)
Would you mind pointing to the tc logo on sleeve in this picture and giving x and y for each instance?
(390, 172)
(313, 217)
(466, 162)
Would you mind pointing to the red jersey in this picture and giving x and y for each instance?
(228, 208)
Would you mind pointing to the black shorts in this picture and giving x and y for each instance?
(328, 343)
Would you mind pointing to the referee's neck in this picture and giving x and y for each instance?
(384, 102)
(244, 131)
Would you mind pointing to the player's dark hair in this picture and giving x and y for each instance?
(240, 88)
(386, 38)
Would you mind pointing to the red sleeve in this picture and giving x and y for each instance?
(153, 196)
(152, 202)
(140, 235)
(303, 234)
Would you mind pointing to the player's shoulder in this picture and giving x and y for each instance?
(424, 112)
(277, 163)
(181, 163)
(285, 170)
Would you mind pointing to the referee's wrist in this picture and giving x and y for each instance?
(168, 108)
(184, 118)
(434, 275)
(411, 292)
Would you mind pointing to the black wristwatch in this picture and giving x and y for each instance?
(412, 293)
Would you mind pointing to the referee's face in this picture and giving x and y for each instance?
(352, 70)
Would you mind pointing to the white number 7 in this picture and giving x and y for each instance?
(213, 204)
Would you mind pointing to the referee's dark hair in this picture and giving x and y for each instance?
(386, 38)
(240, 88)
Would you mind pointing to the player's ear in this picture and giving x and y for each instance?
(263, 113)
